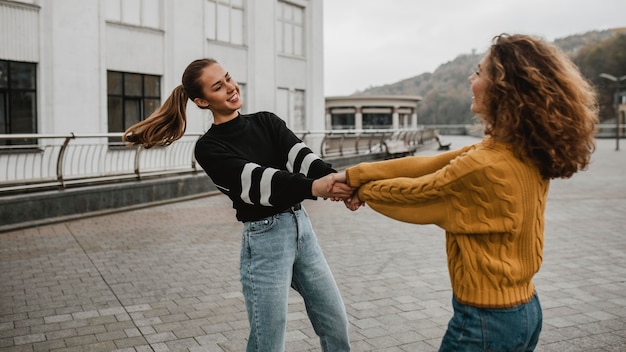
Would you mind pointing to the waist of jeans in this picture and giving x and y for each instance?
(293, 208)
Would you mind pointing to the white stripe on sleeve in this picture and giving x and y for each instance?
(306, 163)
(246, 181)
(293, 154)
(266, 186)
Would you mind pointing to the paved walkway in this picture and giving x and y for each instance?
(165, 278)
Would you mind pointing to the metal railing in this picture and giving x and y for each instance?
(355, 142)
(44, 161)
(61, 161)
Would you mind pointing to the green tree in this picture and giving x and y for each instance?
(606, 56)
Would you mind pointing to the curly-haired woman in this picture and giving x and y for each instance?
(539, 117)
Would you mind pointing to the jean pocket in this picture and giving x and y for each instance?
(505, 329)
(260, 226)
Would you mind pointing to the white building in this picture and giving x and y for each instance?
(98, 66)
(372, 112)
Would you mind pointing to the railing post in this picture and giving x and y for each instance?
(60, 159)
(137, 159)
(322, 151)
(343, 138)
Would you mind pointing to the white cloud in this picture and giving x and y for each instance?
(373, 42)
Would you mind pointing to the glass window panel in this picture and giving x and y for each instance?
(115, 114)
(299, 122)
(298, 44)
(23, 112)
(150, 106)
(287, 13)
(211, 25)
(279, 37)
(237, 26)
(131, 12)
(237, 3)
(132, 85)
(151, 11)
(298, 15)
(279, 11)
(288, 38)
(113, 10)
(132, 112)
(343, 121)
(140, 96)
(22, 75)
(3, 117)
(4, 74)
(152, 86)
(377, 121)
(114, 83)
(223, 23)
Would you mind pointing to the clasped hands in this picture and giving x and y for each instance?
(334, 187)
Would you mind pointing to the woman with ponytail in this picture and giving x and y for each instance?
(267, 172)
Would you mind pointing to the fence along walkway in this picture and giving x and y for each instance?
(31, 162)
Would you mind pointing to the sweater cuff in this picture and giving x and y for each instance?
(352, 177)
(308, 194)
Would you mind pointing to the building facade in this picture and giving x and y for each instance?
(359, 112)
(98, 66)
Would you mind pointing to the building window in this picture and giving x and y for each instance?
(290, 106)
(131, 98)
(143, 13)
(343, 121)
(299, 116)
(224, 21)
(290, 29)
(377, 118)
(18, 99)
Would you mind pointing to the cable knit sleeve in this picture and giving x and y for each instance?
(411, 166)
(473, 193)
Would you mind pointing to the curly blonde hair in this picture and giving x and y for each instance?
(538, 101)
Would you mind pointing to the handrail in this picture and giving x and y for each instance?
(63, 160)
(59, 161)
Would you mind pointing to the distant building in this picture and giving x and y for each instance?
(372, 112)
(98, 66)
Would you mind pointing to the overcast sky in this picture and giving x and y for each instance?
(375, 42)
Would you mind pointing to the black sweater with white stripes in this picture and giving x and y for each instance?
(259, 164)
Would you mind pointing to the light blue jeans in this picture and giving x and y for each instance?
(279, 252)
(513, 329)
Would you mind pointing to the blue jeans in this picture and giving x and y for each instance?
(510, 329)
(279, 252)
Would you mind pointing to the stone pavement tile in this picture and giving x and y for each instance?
(166, 278)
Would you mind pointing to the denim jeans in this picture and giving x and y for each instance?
(279, 252)
(510, 329)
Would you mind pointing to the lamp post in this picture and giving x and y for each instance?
(618, 82)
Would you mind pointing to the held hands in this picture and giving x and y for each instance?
(352, 202)
(326, 187)
(334, 186)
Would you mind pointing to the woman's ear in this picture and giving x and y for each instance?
(201, 103)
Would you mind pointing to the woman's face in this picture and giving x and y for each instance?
(221, 92)
(479, 82)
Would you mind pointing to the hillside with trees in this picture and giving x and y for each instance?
(447, 96)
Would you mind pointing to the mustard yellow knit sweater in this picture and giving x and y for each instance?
(490, 203)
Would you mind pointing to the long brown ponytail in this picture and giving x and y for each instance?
(166, 125)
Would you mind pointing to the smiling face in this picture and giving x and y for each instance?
(479, 82)
(221, 93)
